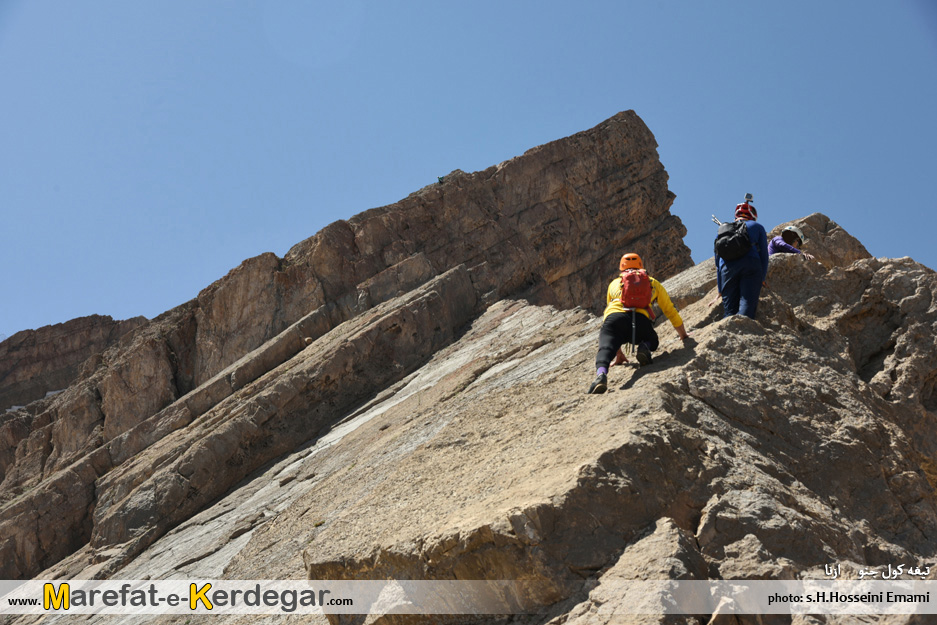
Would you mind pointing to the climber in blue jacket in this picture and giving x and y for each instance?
(740, 280)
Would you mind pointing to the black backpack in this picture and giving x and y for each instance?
(733, 240)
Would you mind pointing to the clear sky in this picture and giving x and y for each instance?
(147, 148)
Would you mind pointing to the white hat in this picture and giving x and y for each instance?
(798, 232)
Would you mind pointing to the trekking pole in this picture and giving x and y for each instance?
(716, 221)
(634, 330)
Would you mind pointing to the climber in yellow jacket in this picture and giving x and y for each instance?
(628, 317)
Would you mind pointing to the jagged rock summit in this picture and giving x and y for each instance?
(442, 430)
(376, 296)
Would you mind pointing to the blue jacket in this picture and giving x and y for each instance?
(758, 252)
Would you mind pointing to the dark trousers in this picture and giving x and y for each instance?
(617, 330)
(741, 286)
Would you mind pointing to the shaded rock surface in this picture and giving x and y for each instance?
(445, 433)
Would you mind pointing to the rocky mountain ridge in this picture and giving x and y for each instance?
(442, 430)
(538, 225)
(34, 363)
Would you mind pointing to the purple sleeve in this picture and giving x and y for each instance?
(778, 246)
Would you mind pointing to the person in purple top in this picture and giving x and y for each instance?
(789, 241)
(740, 280)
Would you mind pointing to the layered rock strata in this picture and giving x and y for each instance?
(548, 225)
(763, 449)
(34, 363)
(425, 421)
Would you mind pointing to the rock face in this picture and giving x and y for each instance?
(548, 225)
(441, 430)
(36, 362)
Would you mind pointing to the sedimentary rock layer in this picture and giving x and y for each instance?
(762, 449)
(548, 225)
(34, 363)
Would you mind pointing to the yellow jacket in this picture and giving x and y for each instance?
(658, 294)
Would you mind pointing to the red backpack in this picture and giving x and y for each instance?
(636, 290)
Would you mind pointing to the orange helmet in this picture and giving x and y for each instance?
(630, 261)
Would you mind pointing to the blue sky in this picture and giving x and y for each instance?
(147, 148)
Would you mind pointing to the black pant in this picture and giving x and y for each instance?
(617, 330)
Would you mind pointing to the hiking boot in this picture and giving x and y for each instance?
(599, 385)
(644, 355)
